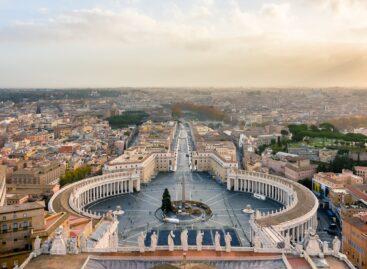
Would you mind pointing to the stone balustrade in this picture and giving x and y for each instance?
(92, 189)
(300, 205)
(100, 187)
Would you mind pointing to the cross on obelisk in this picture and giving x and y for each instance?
(183, 190)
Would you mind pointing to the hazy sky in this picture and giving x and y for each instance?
(70, 43)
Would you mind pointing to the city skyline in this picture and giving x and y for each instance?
(275, 43)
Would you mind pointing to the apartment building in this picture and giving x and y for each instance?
(37, 178)
(213, 154)
(323, 183)
(355, 239)
(362, 172)
(299, 168)
(2, 184)
(151, 155)
(17, 223)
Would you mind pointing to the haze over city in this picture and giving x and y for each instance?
(272, 43)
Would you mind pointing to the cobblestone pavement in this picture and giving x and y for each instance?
(140, 207)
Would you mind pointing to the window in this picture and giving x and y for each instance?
(24, 215)
(4, 227)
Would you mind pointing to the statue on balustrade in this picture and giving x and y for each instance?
(46, 246)
(83, 243)
(141, 244)
(228, 240)
(336, 245)
(72, 247)
(171, 243)
(199, 240)
(153, 241)
(58, 246)
(37, 246)
(287, 241)
(114, 240)
(325, 247)
(256, 241)
(217, 241)
(184, 238)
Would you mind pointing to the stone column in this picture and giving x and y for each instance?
(235, 184)
(138, 184)
(131, 186)
(229, 184)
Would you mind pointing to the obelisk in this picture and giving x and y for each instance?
(183, 190)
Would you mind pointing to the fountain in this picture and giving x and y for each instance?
(118, 211)
(248, 210)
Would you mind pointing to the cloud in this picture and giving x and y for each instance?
(342, 8)
(277, 43)
(278, 11)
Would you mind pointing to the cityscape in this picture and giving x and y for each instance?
(147, 135)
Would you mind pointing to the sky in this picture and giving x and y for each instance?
(183, 43)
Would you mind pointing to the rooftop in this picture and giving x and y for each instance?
(22, 207)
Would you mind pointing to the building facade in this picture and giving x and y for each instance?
(2, 184)
(362, 172)
(17, 223)
(355, 239)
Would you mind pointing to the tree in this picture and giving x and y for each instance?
(75, 175)
(306, 182)
(166, 201)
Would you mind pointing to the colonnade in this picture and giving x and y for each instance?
(103, 190)
(283, 191)
(297, 232)
(96, 188)
(283, 195)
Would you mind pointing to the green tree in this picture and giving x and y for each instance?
(75, 175)
(166, 201)
(306, 182)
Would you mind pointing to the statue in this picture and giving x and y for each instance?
(46, 246)
(153, 241)
(299, 247)
(171, 243)
(228, 240)
(72, 247)
(287, 241)
(83, 243)
(37, 246)
(312, 243)
(217, 241)
(184, 243)
(58, 246)
(199, 240)
(336, 245)
(325, 247)
(256, 241)
(141, 244)
(113, 240)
